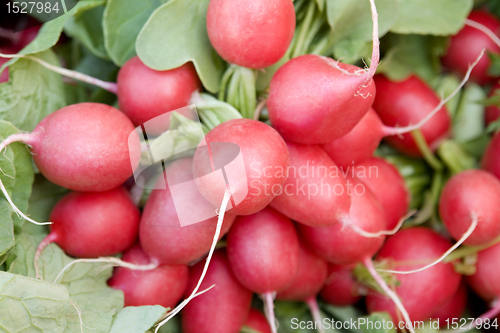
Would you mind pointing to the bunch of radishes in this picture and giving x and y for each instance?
(313, 210)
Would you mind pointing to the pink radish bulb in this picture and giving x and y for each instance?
(265, 158)
(342, 246)
(453, 308)
(492, 112)
(486, 281)
(341, 287)
(95, 224)
(263, 250)
(252, 34)
(491, 157)
(422, 293)
(224, 308)
(163, 285)
(388, 186)
(359, 144)
(257, 322)
(144, 93)
(466, 45)
(311, 276)
(314, 193)
(312, 101)
(161, 234)
(406, 103)
(468, 193)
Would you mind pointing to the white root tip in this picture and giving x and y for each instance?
(367, 234)
(268, 299)
(312, 303)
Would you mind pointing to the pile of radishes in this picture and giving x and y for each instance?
(297, 200)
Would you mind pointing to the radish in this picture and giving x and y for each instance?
(388, 186)
(341, 288)
(144, 93)
(252, 34)
(162, 236)
(224, 308)
(264, 167)
(467, 194)
(492, 112)
(163, 285)
(467, 44)
(86, 147)
(263, 250)
(453, 308)
(314, 193)
(314, 99)
(422, 293)
(491, 157)
(257, 322)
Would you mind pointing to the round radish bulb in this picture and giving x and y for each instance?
(163, 285)
(257, 322)
(468, 193)
(314, 193)
(492, 112)
(340, 245)
(312, 101)
(144, 93)
(224, 308)
(161, 234)
(310, 278)
(422, 293)
(359, 144)
(386, 183)
(265, 160)
(486, 281)
(252, 34)
(90, 225)
(263, 250)
(453, 308)
(491, 157)
(406, 103)
(466, 45)
(341, 288)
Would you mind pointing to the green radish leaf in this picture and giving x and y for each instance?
(431, 17)
(7, 240)
(20, 260)
(43, 198)
(29, 305)
(175, 34)
(137, 319)
(85, 27)
(32, 93)
(468, 123)
(123, 20)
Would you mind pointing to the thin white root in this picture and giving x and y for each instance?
(390, 293)
(312, 303)
(484, 29)
(268, 299)
(79, 313)
(376, 43)
(109, 86)
(402, 130)
(113, 261)
(450, 250)
(220, 220)
(367, 234)
(493, 312)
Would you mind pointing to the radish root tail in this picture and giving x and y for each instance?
(268, 299)
(312, 303)
(367, 234)
(484, 29)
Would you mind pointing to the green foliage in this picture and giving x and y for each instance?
(137, 319)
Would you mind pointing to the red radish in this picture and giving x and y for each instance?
(342, 246)
(467, 194)
(224, 308)
(341, 288)
(314, 193)
(161, 234)
(360, 143)
(314, 99)
(408, 102)
(144, 93)
(467, 44)
(388, 186)
(492, 112)
(252, 34)
(453, 308)
(491, 157)
(486, 281)
(163, 285)
(263, 250)
(422, 293)
(257, 322)
(265, 159)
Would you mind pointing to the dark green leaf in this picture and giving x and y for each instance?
(175, 34)
(137, 319)
(494, 69)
